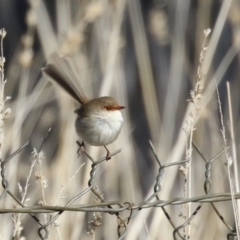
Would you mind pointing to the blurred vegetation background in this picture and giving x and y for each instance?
(146, 55)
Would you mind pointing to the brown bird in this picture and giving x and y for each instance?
(99, 121)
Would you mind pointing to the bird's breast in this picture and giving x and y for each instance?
(99, 129)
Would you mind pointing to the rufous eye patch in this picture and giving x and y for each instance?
(112, 108)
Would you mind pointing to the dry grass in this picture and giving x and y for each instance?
(147, 59)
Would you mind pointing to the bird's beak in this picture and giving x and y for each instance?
(120, 107)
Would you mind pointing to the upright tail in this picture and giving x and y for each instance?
(61, 71)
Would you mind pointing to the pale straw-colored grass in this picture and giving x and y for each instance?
(117, 49)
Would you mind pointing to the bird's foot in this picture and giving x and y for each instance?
(109, 155)
(81, 148)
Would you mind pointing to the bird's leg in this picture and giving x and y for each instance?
(81, 148)
(108, 157)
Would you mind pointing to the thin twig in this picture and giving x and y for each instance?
(235, 166)
(229, 163)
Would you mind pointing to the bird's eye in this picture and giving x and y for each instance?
(108, 107)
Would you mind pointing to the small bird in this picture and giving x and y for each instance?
(99, 121)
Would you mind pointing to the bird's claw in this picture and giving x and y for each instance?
(81, 148)
(109, 155)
